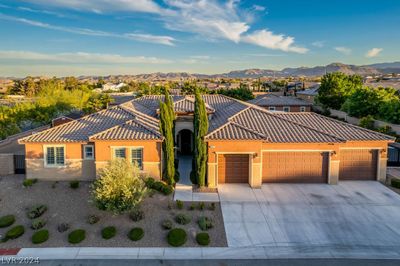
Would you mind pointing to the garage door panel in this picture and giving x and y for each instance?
(233, 168)
(358, 164)
(295, 167)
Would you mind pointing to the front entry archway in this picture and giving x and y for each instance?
(185, 142)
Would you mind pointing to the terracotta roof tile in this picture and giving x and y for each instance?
(274, 100)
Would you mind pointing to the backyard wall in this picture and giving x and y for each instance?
(6, 164)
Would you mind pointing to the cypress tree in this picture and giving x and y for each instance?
(200, 125)
(166, 127)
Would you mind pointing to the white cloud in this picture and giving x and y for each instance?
(259, 8)
(79, 58)
(102, 6)
(373, 52)
(318, 44)
(203, 57)
(46, 12)
(268, 39)
(165, 40)
(210, 19)
(343, 50)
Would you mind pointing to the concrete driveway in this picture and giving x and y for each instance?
(353, 213)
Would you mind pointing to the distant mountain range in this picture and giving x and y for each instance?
(381, 68)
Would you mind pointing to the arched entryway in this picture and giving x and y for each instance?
(185, 142)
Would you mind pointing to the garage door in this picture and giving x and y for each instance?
(233, 168)
(295, 167)
(358, 164)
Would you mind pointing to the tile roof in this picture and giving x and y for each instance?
(274, 100)
(334, 127)
(186, 105)
(311, 92)
(80, 130)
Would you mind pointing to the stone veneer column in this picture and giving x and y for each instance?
(382, 168)
(255, 171)
(211, 175)
(333, 175)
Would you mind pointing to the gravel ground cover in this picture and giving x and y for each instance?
(73, 206)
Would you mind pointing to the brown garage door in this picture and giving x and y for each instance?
(295, 167)
(233, 168)
(358, 164)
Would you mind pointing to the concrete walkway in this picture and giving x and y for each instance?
(183, 189)
(351, 214)
(268, 252)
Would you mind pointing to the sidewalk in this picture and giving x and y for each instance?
(268, 252)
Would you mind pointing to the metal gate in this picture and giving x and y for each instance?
(393, 157)
(19, 164)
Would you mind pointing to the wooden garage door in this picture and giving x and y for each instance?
(233, 168)
(358, 164)
(295, 167)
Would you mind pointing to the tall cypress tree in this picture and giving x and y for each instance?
(166, 128)
(200, 124)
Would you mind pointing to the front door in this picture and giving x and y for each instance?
(185, 141)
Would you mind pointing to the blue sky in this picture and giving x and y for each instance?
(100, 37)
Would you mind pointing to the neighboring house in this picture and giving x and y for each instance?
(308, 95)
(111, 87)
(273, 102)
(66, 118)
(246, 144)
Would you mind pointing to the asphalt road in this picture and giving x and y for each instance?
(272, 262)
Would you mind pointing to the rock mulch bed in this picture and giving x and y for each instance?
(72, 206)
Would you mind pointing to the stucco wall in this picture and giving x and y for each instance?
(292, 108)
(74, 169)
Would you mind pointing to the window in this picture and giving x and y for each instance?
(271, 108)
(137, 157)
(286, 109)
(88, 152)
(55, 156)
(302, 108)
(119, 153)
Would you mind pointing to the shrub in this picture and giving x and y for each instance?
(36, 211)
(203, 239)
(182, 219)
(76, 236)
(395, 182)
(205, 223)
(119, 188)
(15, 232)
(212, 206)
(149, 182)
(136, 234)
(167, 224)
(62, 227)
(367, 122)
(108, 232)
(7, 220)
(192, 206)
(162, 187)
(136, 214)
(177, 237)
(38, 223)
(92, 219)
(74, 184)
(201, 206)
(179, 204)
(40, 236)
(29, 182)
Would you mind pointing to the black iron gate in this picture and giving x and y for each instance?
(19, 164)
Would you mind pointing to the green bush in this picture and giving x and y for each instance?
(76, 236)
(7, 220)
(201, 206)
(212, 206)
(167, 224)
(136, 234)
(15, 232)
(38, 223)
(177, 237)
(136, 214)
(92, 219)
(108, 232)
(367, 122)
(40, 236)
(203, 239)
(179, 204)
(36, 211)
(205, 223)
(74, 184)
(182, 219)
(395, 182)
(192, 206)
(29, 182)
(159, 186)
